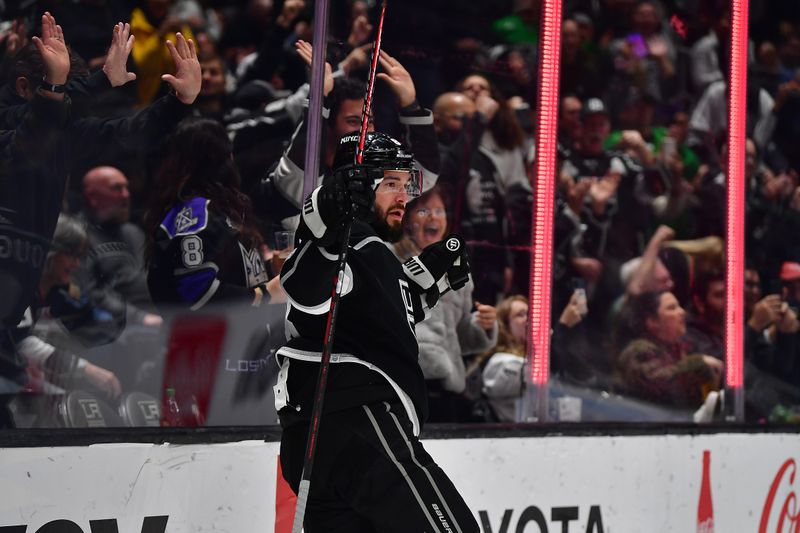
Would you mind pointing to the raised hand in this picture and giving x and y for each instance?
(15, 37)
(571, 315)
(188, 75)
(398, 79)
(360, 31)
(663, 234)
(290, 12)
(357, 59)
(766, 312)
(788, 323)
(658, 47)
(602, 190)
(486, 316)
(486, 106)
(115, 66)
(306, 52)
(53, 50)
(633, 139)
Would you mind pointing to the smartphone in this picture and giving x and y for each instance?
(669, 147)
(638, 44)
(579, 289)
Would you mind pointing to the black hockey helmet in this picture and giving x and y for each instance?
(380, 151)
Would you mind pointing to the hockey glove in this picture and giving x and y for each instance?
(347, 195)
(458, 274)
(440, 267)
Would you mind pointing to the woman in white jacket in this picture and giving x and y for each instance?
(503, 382)
(453, 329)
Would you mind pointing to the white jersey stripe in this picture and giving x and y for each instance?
(427, 473)
(207, 296)
(399, 466)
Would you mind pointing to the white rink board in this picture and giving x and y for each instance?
(202, 488)
(640, 484)
(630, 484)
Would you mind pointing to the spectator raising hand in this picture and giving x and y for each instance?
(291, 10)
(573, 312)
(486, 106)
(188, 76)
(53, 50)
(116, 63)
(398, 79)
(306, 53)
(486, 316)
(765, 313)
(14, 38)
(602, 191)
(360, 31)
(787, 321)
(357, 59)
(634, 143)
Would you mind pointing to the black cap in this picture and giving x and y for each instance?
(594, 106)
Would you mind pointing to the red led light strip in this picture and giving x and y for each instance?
(734, 308)
(541, 276)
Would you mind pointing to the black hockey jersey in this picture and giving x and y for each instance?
(374, 328)
(198, 258)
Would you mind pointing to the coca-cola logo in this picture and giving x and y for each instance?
(786, 517)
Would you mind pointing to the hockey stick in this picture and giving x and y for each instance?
(333, 311)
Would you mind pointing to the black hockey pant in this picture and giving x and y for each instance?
(371, 474)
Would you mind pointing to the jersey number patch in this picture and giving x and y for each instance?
(192, 251)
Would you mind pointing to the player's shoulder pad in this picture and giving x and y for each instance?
(186, 217)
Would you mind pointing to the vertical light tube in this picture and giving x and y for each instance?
(314, 116)
(541, 264)
(734, 308)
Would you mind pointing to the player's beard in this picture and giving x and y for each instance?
(385, 230)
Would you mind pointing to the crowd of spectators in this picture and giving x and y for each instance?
(638, 288)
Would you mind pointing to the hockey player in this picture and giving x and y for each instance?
(371, 472)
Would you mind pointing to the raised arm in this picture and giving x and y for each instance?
(188, 75)
(419, 135)
(288, 176)
(151, 124)
(116, 65)
(55, 57)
